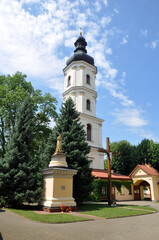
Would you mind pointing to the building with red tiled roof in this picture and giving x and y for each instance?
(147, 169)
(125, 194)
(143, 177)
(102, 174)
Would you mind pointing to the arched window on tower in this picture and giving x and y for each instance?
(89, 130)
(69, 81)
(88, 104)
(87, 79)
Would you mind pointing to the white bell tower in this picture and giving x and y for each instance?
(80, 74)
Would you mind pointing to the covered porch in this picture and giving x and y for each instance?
(146, 183)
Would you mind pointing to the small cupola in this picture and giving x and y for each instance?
(80, 44)
(80, 52)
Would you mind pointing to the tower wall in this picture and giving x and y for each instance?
(80, 74)
(78, 88)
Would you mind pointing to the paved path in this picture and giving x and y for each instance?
(14, 227)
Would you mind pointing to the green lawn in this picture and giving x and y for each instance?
(48, 218)
(114, 212)
(139, 207)
(98, 210)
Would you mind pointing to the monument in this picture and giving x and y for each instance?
(58, 182)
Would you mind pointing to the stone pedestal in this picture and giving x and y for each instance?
(58, 160)
(58, 188)
(58, 182)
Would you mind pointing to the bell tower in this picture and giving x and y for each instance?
(80, 74)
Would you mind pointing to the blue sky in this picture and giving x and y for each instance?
(37, 37)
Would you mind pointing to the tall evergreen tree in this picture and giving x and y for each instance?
(75, 147)
(19, 175)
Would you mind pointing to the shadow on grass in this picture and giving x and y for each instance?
(92, 207)
(26, 207)
(2, 210)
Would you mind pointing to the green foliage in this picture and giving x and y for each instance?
(154, 159)
(119, 184)
(2, 202)
(144, 151)
(105, 165)
(130, 156)
(75, 148)
(50, 147)
(148, 152)
(123, 162)
(20, 180)
(105, 211)
(98, 184)
(13, 90)
(48, 218)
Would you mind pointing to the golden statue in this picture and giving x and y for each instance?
(58, 145)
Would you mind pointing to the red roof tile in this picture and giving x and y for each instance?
(147, 169)
(100, 173)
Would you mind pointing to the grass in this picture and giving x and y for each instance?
(98, 210)
(139, 207)
(114, 212)
(48, 218)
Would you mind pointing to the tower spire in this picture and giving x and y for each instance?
(80, 52)
(80, 44)
(81, 31)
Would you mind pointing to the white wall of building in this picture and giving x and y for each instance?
(80, 91)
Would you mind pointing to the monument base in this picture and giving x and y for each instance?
(58, 188)
(57, 202)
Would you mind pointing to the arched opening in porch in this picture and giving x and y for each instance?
(142, 190)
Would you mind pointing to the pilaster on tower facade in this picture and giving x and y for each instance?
(80, 74)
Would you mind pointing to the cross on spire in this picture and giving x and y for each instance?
(81, 31)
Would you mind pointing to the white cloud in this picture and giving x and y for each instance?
(30, 43)
(83, 2)
(116, 10)
(144, 33)
(154, 44)
(52, 123)
(105, 20)
(108, 51)
(113, 87)
(124, 74)
(124, 40)
(122, 81)
(130, 117)
(33, 43)
(30, 1)
(105, 2)
(97, 6)
(56, 83)
(148, 135)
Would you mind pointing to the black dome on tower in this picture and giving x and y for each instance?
(80, 53)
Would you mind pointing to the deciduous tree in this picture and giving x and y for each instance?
(13, 90)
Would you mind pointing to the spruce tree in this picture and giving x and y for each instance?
(75, 147)
(19, 177)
